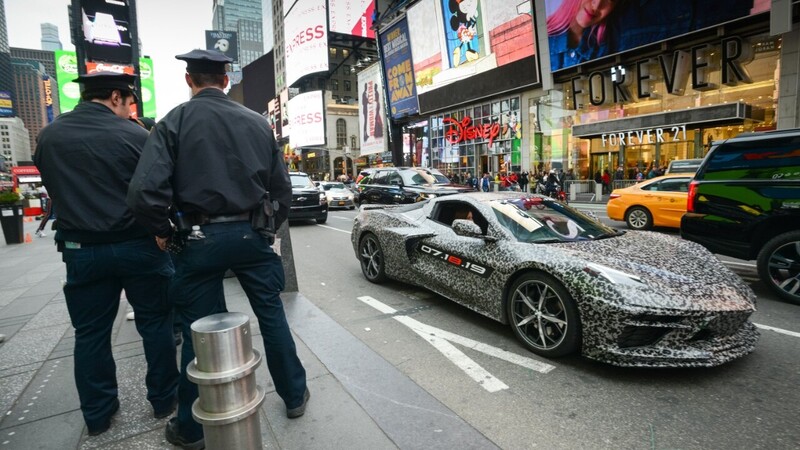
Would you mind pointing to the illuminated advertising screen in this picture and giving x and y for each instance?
(225, 42)
(371, 119)
(397, 65)
(307, 119)
(353, 17)
(274, 116)
(306, 35)
(69, 92)
(6, 104)
(464, 51)
(48, 97)
(580, 31)
(286, 128)
(105, 30)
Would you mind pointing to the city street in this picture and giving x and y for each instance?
(525, 401)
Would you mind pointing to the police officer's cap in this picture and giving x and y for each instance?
(205, 61)
(108, 80)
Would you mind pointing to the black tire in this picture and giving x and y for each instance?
(639, 218)
(321, 220)
(779, 265)
(370, 255)
(352, 207)
(548, 325)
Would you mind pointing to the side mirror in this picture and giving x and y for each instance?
(467, 228)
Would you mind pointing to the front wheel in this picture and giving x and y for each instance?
(370, 254)
(543, 315)
(639, 218)
(321, 220)
(779, 265)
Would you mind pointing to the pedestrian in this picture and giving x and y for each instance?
(87, 158)
(523, 181)
(486, 182)
(187, 164)
(606, 178)
(620, 173)
(47, 211)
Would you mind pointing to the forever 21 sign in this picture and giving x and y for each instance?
(614, 85)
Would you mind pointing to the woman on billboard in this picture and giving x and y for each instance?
(580, 30)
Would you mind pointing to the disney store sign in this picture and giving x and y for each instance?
(458, 132)
(645, 136)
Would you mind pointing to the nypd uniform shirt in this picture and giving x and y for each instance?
(210, 156)
(87, 158)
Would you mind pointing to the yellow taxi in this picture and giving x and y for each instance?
(660, 202)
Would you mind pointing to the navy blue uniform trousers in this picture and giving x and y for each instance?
(198, 292)
(96, 275)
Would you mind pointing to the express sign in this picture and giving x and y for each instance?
(464, 131)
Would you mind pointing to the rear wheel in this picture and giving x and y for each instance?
(543, 315)
(321, 220)
(639, 218)
(373, 263)
(779, 265)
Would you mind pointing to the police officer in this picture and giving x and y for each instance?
(87, 158)
(212, 161)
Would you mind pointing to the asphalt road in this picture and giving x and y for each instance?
(521, 400)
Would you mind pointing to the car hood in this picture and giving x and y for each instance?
(339, 192)
(683, 275)
(305, 191)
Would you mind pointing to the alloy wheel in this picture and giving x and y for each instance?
(371, 256)
(539, 314)
(638, 219)
(784, 269)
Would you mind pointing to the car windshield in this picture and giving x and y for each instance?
(302, 181)
(440, 178)
(416, 177)
(329, 186)
(537, 220)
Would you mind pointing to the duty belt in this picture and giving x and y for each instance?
(225, 218)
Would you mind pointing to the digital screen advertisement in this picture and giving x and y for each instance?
(353, 17)
(582, 31)
(371, 120)
(106, 30)
(225, 42)
(306, 36)
(397, 64)
(307, 119)
(6, 104)
(463, 51)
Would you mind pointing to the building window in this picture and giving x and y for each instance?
(334, 85)
(341, 133)
(347, 85)
(333, 51)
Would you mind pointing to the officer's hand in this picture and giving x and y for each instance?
(162, 243)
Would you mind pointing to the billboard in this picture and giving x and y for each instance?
(371, 119)
(6, 104)
(106, 31)
(465, 51)
(353, 17)
(283, 107)
(307, 119)
(48, 97)
(578, 34)
(306, 36)
(69, 93)
(226, 42)
(397, 65)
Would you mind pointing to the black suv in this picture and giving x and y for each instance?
(744, 202)
(308, 202)
(405, 185)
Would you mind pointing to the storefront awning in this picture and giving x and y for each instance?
(693, 118)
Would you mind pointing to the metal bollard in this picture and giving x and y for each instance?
(224, 371)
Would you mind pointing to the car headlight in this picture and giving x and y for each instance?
(613, 276)
(427, 195)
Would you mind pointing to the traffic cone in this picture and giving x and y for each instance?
(28, 238)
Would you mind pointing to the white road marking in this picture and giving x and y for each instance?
(349, 219)
(778, 330)
(334, 229)
(734, 263)
(441, 340)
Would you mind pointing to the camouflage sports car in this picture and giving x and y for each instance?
(563, 281)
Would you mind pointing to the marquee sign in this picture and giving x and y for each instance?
(464, 131)
(645, 136)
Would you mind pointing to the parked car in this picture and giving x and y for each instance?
(744, 202)
(338, 195)
(683, 166)
(659, 202)
(562, 281)
(308, 202)
(406, 185)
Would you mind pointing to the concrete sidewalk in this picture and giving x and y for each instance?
(358, 400)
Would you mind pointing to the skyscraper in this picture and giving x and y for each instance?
(50, 40)
(47, 59)
(227, 15)
(6, 71)
(30, 104)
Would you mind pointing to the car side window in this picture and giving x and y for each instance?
(394, 179)
(446, 212)
(381, 177)
(652, 186)
(767, 159)
(674, 185)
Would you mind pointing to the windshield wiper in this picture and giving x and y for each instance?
(610, 235)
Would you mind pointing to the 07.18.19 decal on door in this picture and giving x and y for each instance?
(457, 261)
